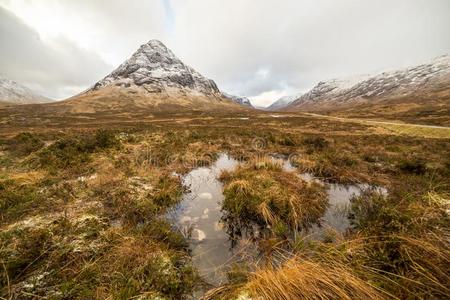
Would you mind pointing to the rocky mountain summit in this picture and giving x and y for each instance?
(12, 92)
(154, 68)
(153, 80)
(425, 78)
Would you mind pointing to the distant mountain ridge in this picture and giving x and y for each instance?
(284, 101)
(425, 78)
(240, 100)
(13, 93)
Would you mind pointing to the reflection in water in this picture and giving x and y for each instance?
(339, 199)
(336, 216)
(200, 214)
(216, 241)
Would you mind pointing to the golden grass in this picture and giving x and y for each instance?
(363, 260)
(264, 163)
(416, 130)
(427, 132)
(303, 279)
(348, 270)
(261, 191)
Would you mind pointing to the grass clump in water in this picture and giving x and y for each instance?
(260, 191)
(397, 250)
(405, 242)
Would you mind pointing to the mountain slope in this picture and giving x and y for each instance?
(239, 100)
(12, 93)
(155, 69)
(416, 82)
(153, 77)
(284, 101)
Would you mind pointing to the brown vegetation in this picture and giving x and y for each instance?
(82, 208)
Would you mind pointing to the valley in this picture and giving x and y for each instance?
(85, 203)
(153, 183)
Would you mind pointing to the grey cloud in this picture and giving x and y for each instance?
(302, 42)
(57, 70)
(294, 43)
(118, 27)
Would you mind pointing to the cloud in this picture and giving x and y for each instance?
(113, 29)
(260, 49)
(55, 69)
(264, 99)
(304, 41)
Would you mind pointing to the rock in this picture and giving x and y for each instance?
(185, 219)
(205, 196)
(218, 226)
(198, 235)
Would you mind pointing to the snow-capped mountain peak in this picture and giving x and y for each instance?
(433, 75)
(155, 69)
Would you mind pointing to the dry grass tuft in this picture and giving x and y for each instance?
(303, 279)
(260, 191)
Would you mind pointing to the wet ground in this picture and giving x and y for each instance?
(200, 218)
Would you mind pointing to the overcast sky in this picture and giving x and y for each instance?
(263, 49)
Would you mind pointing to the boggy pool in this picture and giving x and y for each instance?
(199, 217)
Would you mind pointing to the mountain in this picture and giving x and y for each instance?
(153, 77)
(12, 93)
(155, 69)
(283, 102)
(239, 100)
(416, 83)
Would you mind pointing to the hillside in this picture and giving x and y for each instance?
(13, 93)
(284, 101)
(420, 93)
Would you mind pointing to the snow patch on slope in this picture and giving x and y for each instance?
(284, 101)
(14, 93)
(387, 84)
(239, 100)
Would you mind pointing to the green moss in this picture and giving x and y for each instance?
(74, 153)
(168, 192)
(315, 143)
(413, 166)
(24, 143)
(133, 207)
(18, 200)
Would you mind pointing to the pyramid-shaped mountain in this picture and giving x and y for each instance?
(155, 69)
(153, 77)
